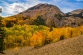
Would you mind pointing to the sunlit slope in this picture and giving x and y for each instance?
(72, 46)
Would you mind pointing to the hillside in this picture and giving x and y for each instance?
(74, 18)
(72, 46)
(76, 13)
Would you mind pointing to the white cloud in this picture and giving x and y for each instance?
(14, 8)
(0, 6)
(65, 10)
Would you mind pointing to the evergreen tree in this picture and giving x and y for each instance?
(39, 21)
(2, 35)
(9, 24)
(1, 40)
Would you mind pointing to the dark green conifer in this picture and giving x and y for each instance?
(2, 35)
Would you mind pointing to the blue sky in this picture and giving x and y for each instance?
(12, 7)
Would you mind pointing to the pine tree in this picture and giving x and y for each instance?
(2, 35)
(39, 21)
(1, 40)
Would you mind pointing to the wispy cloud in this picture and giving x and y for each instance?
(65, 10)
(16, 7)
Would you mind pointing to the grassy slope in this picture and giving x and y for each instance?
(71, 46)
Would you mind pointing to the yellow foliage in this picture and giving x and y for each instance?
(36, 40)
(38, 35)
(54, 35)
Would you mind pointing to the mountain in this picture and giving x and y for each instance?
(49, 15)
(76, 13)
(74, 18)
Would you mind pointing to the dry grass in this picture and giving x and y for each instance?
(71, 46)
